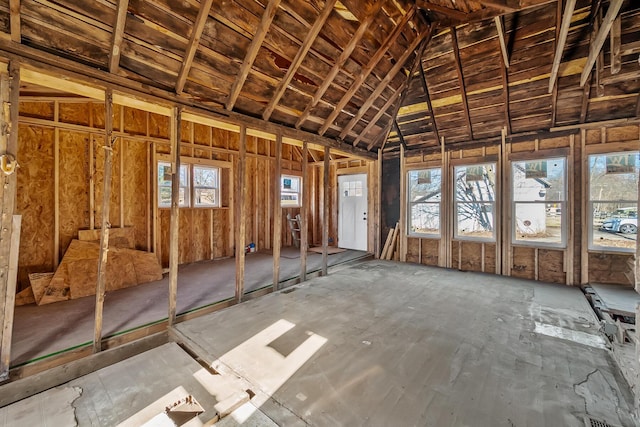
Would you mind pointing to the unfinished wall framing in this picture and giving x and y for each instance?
(573, 262)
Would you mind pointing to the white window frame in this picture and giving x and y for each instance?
(492, 204)
(590, 203)
(563, 208)
(215, 187)
(410, 205)
(185, 185)
(297, 194)
(190, 163)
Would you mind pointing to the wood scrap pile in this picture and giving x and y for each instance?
(390, 249)
(77, 274)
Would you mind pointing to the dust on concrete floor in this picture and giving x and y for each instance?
(43, 330)
(383, 343)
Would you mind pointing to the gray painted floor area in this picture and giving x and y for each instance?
(377, 344)
(43, 330)
(384, 344)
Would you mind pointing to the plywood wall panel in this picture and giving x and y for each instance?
(627, 133)
(74, 112)
(455, 254)
(74, 186)
(489, 258)
(39, 110)
(158, 126)
(200, 229)
(430, 251)
(551, 266)
(201, 134)
(135, 121)
(611, 268)
(471, 256)
(35, 201)
(523, 262)
(136, 191)
(97, 114)
(413, 250)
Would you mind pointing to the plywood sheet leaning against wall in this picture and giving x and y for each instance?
(77, 273)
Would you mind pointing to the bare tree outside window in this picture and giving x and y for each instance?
(475, 200)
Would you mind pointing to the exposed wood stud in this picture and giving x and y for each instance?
(194, 42)
(463, 89)
(304, 214)
(364, 73)
(252, 52)
(342, 59)
(596, 44)
(105, 226)
(118, 36)
(503, 45)
(504, 70)
(175, 133)
(56, 187)
(241, 213)
(14, 9)
(561, 41)
(9, 100)
(584, 176)
(384, 84)
(277, 212)
(614, 41)
(325, 211)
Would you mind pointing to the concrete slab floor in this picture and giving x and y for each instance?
(381, 343)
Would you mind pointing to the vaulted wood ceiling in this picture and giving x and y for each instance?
(343, 69)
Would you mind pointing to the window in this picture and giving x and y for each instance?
(290, 191)
(539, 195)
(352, 188)
(613, 201)
(205, 186)
(475, 201)
(164, 185)
(425, 194)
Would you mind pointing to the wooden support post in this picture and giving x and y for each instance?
(503, 237)
(378, 215)
(584, 252)
(571, 214)
(104, 230)
(241, 214)
(402, 243)
(56, 189)
(444, 255)
(277, 213)
(304, 213)
(325, 212)
(9, 102)
(174, 229)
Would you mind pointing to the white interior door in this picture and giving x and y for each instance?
(352, 212)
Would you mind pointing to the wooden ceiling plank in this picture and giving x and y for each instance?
(554, 94)
(598, 42)
(387, 80)
(342, 59)
(503, 43)
(252, 52)
(391, 38)
(118, 35)
(463, 89)
(561, 41)
(302, 52)
(446, 11)
(425, 87)
(14, 8)
(502, 6)
(194, 42)
(379, 114)
(616, 58)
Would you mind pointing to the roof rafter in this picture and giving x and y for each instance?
(252, 52)
(399, 132)
(342, 59)
(463, 89)
(194, 41)
(561, 41)
(14, 8)
(359, 80)
(302, 52)
(503, 44)
(554, 95)
(448, 12)
(118, 35)
(387, 80)
(423, 79)
(616, 58)
(596, 45)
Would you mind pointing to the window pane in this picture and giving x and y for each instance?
(475, 183)
(539, 180)
(538, 222)
(475, 220)
(425, 218)
(205, 177)
(206, 197)
(164, 173)
(614, 176)
(615, 225)
(425, 185)
(164, 196)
